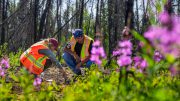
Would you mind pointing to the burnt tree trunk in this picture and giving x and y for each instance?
(103, 21)
(36, 11)
(43, 18)
(97, 23)
(178, 10)
(58, 14)
(119, 17)
(77, 16)
(81, 15)
(129, 14)
(111, 26)
(90, 17)
(66, 19)
(3, 19)
(168, 6)
(137, 15)
(145, 20)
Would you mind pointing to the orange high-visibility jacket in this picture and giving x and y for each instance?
(85, 47)
(32, 60)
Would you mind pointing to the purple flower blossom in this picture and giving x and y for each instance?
(124, 61)
(117, 52)
(2, 72)
(143, 64)
(96, 43)
(173, 71)
(102, 52)
(137, 60)
(141, 44)
(97, 52)
(96, 59)
(125, 44)
(37, 81)
(5, 63)
(164, 17)
(166, 38)
(126, 51)
(123, 53)
(157, 56)
(155, 32)
(125, 48)
(140, 64)
(176, 27)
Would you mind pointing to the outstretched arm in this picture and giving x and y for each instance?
(51, 56)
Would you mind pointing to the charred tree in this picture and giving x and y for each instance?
(3, 19)
(43, 19)
(36, 11)
(111, 26)
(81, 14)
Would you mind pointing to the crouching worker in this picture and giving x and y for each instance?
(77, 52)
(40, 56)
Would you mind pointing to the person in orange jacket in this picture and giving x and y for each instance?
(40, 56)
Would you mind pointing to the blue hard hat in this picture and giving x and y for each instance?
(77, 33)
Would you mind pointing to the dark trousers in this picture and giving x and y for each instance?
(71, 62)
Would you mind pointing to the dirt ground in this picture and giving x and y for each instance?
(55, 74)
(51, 74)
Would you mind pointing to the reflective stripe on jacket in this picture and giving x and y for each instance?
(32, 60)
(85, 47)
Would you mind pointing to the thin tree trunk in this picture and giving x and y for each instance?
(66, 17)
(101, 10)
(0, 5)
(6, 15)
(129, 14)
(29, 26)
(36, 11)
(91, 15)
(77, 16)
(0, 18)
(145, 20)
(58, 18)
(14, 4)
(102, 15)
(168, 6)
(46, 26)
(1, 11)
(3, 26)
(137, 15)
(81, 15)
(59, 2)
(72, 23)
(110, 26)
(43, 18)
(144, 10)
(118, 19)
(97, 23)
(178, 10)
(103, 21)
